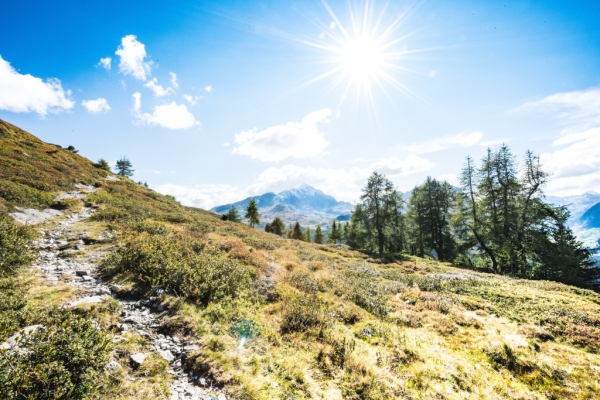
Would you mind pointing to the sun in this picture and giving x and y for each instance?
(363, 52)
(361, 60)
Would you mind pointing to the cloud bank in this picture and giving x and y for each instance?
(294, 139)
(341, 183)
(26, 93)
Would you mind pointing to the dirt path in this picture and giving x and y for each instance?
(60, 242)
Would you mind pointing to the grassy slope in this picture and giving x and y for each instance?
(324, 321)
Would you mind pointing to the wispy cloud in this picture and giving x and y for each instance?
(294, 139)
(208, 88)
(170, 116)
(132, 54)
(462, 139)
(582, 106)
(157, 89)
(174, 79)
(191, 99)
(27, 93)
(96, 106)
(575, 166)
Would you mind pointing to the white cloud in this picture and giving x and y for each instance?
(106, 63)
(158, 90)
(294, 139)
(170, 116)
(450, 178)
(203, 196)
(191, 99)
(208, 88)
(132, 54)
(96, 106)
(571, 107)
(174, 79)
(574, 168)
(27, 93)
(463, 139)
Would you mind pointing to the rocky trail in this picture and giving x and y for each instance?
(61, 241)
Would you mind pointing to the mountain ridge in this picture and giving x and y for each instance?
(305, 204)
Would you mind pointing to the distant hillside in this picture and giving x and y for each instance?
(591, 218)
(304, 204)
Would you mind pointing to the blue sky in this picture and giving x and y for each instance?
(247, 112)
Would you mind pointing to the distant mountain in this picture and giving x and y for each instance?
(585, 215)
(577, 205)
(591, 218)
(305, 204)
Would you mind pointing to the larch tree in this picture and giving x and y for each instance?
(124, 167)
(252, 214)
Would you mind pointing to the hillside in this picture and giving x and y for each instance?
(251, 315)
(305, 204)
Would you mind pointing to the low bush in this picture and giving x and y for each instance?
(62, 359)
(151, 227)
(306, 282)
(302, 313)
(190, 268)
(14, 246)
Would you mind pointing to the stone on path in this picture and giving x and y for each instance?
(137, 359)
(167, 355)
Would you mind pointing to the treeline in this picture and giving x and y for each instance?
(335, 235)
(496, 220)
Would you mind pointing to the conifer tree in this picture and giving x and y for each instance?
(252, 214)
(297, 232)
(103, 164)
(307, 235)
(277, 226)
(268, 227)
(233, 215)
(335, 234)
(124, 167)
(319, 235)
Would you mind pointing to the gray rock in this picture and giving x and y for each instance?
(113, 365)
(87, 278)
(103, 291)
(137, 359)
(191, 347)
(167, 355)
(82, 272)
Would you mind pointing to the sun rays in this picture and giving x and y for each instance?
(363, 51)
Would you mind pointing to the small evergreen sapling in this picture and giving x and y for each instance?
(233, 215)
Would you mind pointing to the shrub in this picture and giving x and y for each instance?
(305, 282)
(14, 246)
(63, 359)
(188, 267)
(504, 356)
(151, 227)
(303, 312)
